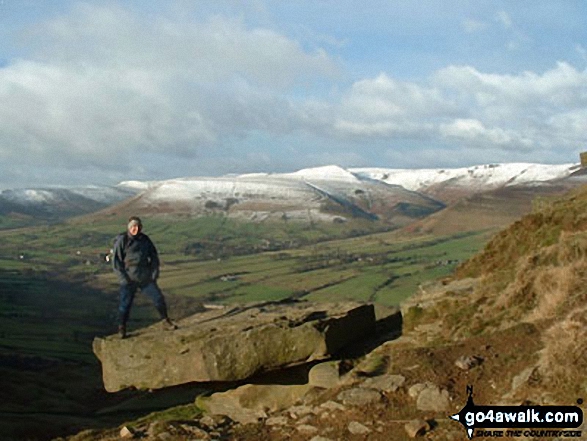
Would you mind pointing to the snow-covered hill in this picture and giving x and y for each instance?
(321, 193)
(61, 202)
(480, 177)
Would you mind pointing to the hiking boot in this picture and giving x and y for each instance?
(169, 325)
(122, 331)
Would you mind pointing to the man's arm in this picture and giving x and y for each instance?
(154, 258)
(118, 261)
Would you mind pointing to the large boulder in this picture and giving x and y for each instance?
(231, 345)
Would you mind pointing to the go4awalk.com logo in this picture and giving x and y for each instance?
(517, 421)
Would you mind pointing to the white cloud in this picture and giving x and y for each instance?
(461, 105)
(89, 114)
(561, 87)
(569, 128)
(105, 85)
(385, 107)
(473, 133)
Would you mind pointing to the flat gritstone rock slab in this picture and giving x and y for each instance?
(231, 344)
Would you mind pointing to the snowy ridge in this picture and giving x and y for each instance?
(106, 195)
(203, 188)
(488, 176)
(335, 178)
(28, 196)
(326, 173)
(58, 202)
(325, 193)
(368, 191)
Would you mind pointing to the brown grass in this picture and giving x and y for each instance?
(563, 361)
(550, 282)
(546, 226)
(536, 271)
(553, 287)
(542, 283)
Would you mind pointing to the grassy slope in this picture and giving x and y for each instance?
(535, 273)
(539, 229)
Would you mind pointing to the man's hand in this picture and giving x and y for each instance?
(124, 279)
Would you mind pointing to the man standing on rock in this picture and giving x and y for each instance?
(136, 263)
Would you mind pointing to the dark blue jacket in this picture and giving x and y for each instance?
(135, 259)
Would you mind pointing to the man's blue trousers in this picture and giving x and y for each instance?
(127, 295)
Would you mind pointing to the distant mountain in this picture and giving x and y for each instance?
(317, 194)
(327, 193)
(58, 203)
(330, 193)
(451, 184)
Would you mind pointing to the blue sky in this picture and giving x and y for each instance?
(97, 92)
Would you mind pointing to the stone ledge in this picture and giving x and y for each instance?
(231, 345)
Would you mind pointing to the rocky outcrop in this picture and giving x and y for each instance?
(252, 402)
(325, 375)
(231, 345)
(430, 397)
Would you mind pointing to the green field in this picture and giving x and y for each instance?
(379, 268)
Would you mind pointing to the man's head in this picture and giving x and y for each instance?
(134, 225)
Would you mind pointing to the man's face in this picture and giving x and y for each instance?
(134, 229)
